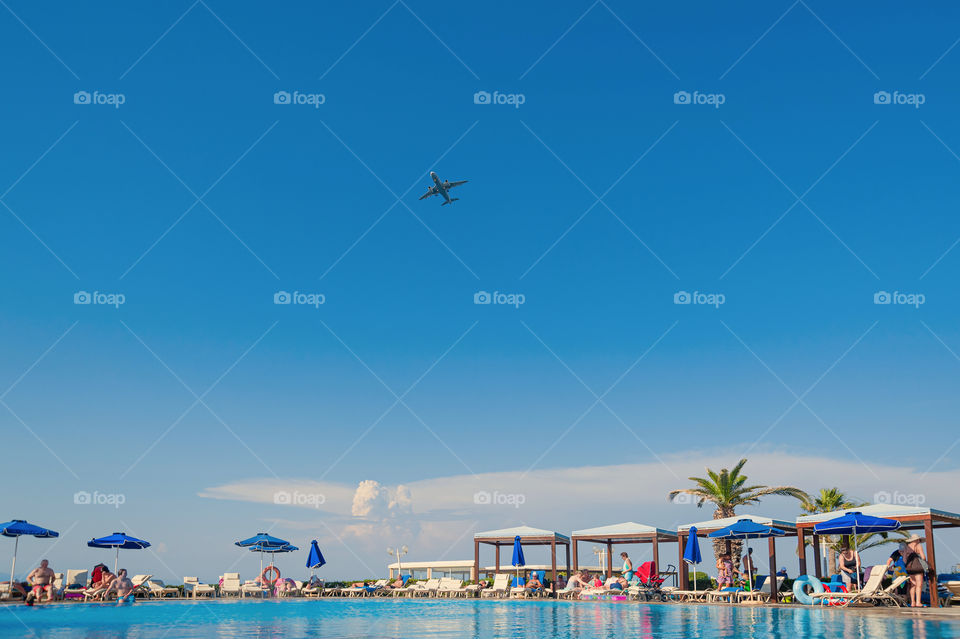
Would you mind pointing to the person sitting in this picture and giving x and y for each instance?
(122, 586)
(749, 568)
(782, 572)
(98, 588)
(533, 583)
(849, 564)
(284, 586)
(396, 584)
(40, 580)
(577, 581)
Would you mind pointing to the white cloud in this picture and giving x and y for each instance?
(432, 515)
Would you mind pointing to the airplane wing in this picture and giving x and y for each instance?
(450, 185)
(431, 191)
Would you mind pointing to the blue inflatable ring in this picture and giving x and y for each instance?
(800, 595)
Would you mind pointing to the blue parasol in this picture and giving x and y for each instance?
(16, 529)
(264, 543)
(518, 559)
(853, 523)
(747, 529)
(118, 540)
(315, 558)
(691, 553)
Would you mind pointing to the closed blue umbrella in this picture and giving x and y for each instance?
(518, 559)
(853, 523)
(16, 529)
(315, 558)
(747, 529)
(691, 553)
(118, 541)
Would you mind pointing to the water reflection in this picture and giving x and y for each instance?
(436, 619)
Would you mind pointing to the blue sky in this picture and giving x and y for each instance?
(598, 199)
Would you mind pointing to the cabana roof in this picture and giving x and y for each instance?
(524, 532)
(716, 524)
(626, 530)
(909, 516)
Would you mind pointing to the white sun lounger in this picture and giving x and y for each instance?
(499, 588)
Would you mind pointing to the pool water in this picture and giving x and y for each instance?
(409, 619)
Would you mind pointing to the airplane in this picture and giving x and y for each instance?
(441, 188)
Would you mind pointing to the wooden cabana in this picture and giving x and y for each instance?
(628, 532)
(910, 518)
(528, 537)
(704, 528)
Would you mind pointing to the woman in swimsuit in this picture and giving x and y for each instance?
(913, 556)
(849, 564)
(724, 571)
(627, 570)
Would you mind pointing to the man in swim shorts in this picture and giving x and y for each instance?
(41, 580)
(123, 587)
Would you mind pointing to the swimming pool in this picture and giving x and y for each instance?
(292, 619)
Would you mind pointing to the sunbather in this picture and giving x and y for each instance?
(98, 588)
(849, 564)
(122, 586)
(533, 583)
(620, 584)
(41, 581)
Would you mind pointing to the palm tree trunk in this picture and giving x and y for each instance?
(720, 546)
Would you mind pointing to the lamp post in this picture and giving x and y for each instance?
(601, 554)
(398, 552)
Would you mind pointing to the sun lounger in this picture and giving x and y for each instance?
(312, 591)
(759, 594)
(193, 588)
(728, 594)
(450, 587)
(871, 592)
(230, 584)
(158, 589)
(253, 589)
(74, 583)
(499, 587)
(426, 589)
(954, 588)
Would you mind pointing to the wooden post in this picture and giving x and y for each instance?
(553, 563)
(817, 570)
(932, 560)
(476, 560)
(576, 563)
(802, 550)
(656, 552)
(498, 558)
(773, 571)
(609, 560)
(682, 567)
(568, 560)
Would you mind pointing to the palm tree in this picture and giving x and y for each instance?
(727, 491)
(830, 500)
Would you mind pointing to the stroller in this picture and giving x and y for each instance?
(651, 582)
